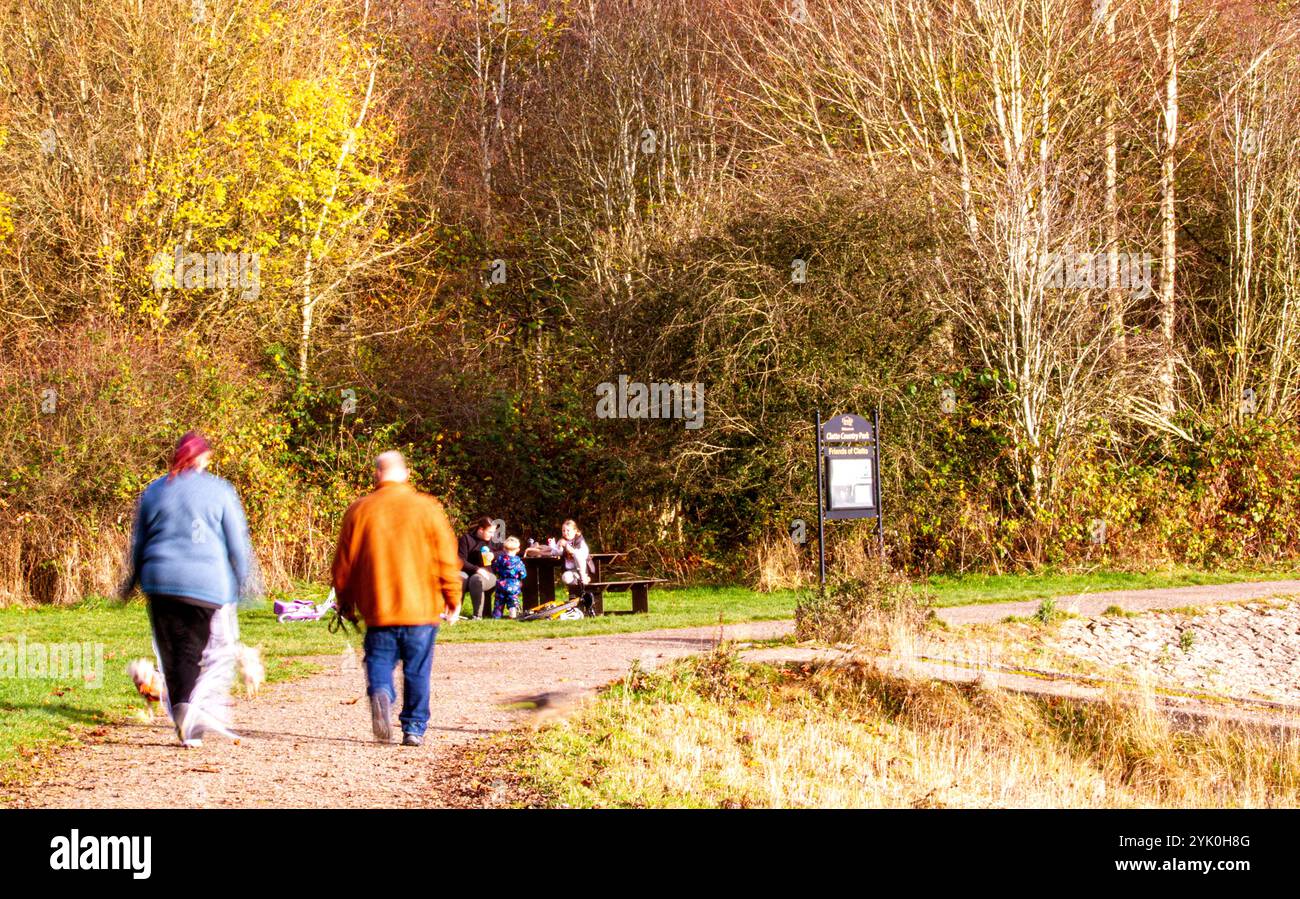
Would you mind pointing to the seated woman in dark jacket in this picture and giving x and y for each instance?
(476, 551)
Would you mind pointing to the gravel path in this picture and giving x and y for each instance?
(1090, 604)
(307, 744)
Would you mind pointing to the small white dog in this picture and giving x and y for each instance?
(250, 665)
(148, 683)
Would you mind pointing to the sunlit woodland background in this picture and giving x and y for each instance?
(650, 173)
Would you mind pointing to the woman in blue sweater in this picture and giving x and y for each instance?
(191, 556)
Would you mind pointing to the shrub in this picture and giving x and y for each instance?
(1047, 611)
(877, 607)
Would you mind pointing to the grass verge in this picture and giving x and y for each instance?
(965, 589)
(712, 732)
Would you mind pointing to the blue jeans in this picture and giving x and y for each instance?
(413, 645)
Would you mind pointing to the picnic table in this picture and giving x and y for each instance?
(542, 567)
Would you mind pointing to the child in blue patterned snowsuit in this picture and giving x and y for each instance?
(510, 572)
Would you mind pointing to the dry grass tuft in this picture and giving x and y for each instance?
(713, 732)
(874, 607)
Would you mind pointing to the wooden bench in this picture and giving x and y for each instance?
(539, 586)
(639, 587)
(600, 560)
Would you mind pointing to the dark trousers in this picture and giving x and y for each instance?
(181, 630)
(480, 586)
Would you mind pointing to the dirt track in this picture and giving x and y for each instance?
(307, 744)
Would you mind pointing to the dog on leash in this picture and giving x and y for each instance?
(148, 683)
(252, 669)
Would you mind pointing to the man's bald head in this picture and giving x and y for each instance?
(390, 467)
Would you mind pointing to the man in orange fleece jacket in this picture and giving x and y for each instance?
(396, 567)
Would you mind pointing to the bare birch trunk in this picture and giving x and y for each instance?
(1169, 228)
(1115, 298)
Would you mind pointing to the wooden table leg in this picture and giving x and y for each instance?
(640, 598)
(598, 600)
(530, 588)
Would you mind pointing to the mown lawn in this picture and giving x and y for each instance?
(956, 590)
(669, 607)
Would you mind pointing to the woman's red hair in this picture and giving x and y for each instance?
(187, 453)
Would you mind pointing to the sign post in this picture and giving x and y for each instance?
(821, 519)
(848, 475)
